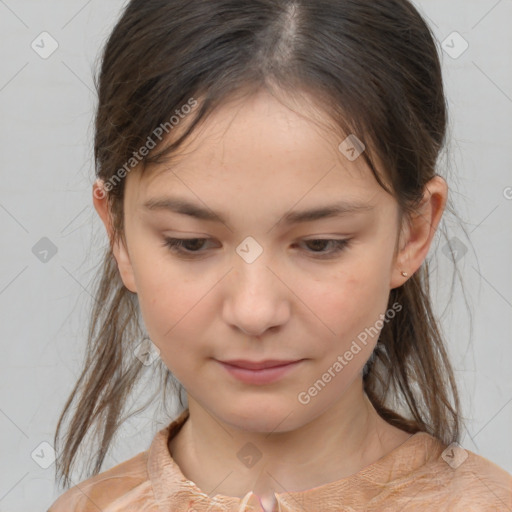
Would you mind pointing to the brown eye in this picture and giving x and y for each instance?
(321, 243)
(185, 246)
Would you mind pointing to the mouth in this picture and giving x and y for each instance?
(264, 372)
(263, 365)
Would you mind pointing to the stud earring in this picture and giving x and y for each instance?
(405, 274)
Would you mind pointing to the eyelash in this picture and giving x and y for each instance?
(175, 245)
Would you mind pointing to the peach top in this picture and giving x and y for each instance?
(421, 474)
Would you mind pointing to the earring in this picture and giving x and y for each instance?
(405, 274)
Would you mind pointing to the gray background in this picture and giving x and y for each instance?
(46, 107)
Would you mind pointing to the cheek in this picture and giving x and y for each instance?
(334, 305)
(350, 304)
(351, 297)
(175, 308)
(170, 319)
(167, 305)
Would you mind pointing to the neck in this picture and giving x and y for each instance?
(337, 443)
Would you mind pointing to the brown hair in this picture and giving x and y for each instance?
(372, 66)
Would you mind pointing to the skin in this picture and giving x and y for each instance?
(254, 161)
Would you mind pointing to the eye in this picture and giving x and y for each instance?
(336, 244)
(191, 247)
(187, 247)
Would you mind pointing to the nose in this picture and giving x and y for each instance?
(256, 298)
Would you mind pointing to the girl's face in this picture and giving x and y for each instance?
(267, 281)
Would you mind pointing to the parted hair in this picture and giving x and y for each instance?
(373, 67)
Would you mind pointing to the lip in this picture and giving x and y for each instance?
(262, 365)
(263, 372)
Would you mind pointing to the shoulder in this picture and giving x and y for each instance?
(107, 490)
(466, 481)
(129, 486)
(481, 484)
(425, 474)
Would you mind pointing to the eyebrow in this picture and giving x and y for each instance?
(185, 207)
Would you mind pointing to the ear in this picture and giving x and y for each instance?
(419, 231)
(100, 201)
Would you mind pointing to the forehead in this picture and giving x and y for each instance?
(262, 149)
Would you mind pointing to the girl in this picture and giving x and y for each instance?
(267, 179)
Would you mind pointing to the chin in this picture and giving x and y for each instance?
(259, 417)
